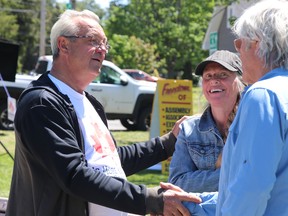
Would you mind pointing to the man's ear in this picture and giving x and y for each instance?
(63, 44)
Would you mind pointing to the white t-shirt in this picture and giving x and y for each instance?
(100, 151)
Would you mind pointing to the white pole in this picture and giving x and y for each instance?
(42, 28)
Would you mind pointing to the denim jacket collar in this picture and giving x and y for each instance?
(207, 122)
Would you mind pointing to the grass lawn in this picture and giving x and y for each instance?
(147, 177)
(6, 163)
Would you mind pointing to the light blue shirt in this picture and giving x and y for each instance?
(254, 172)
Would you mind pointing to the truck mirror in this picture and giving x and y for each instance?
(123, 80)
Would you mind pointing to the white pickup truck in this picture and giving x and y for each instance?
(123, 97)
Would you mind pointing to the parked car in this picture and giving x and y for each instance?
(140, 75)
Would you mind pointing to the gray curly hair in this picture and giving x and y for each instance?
(267, 23)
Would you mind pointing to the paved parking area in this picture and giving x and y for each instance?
(115, 125)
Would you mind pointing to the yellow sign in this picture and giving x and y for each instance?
(173, 100)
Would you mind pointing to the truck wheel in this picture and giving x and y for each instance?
(5, 123)
(129, 124)
(144, 120)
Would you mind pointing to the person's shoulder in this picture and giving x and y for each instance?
(268, 87)
(195, 116)
(42, 94)
(191, 120)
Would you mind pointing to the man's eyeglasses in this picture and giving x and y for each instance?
(102, 45)
(238, 43)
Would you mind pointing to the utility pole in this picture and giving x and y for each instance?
(73, 4)
(42, 28)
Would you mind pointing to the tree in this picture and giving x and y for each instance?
(90, 5)
(173, 29)
(131, 52)
(177, 27)
(20, 22)
(9, 27)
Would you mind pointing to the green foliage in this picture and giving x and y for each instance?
(6, 163)
(169, 33)
(130, 137)
(150, 178)
(225, 2)
(20, 22)
(135, 53)
(9, 27)
(28, 35)
(177, 27)
(90, 5)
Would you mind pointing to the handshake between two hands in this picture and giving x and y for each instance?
(172, 197)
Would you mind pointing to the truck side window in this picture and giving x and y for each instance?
(108, 76)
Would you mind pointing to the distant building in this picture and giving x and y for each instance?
(219, 35)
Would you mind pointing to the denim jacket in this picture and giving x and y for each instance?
(196, 151)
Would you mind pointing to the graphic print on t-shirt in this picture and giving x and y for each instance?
(103, 153)
(104, 144)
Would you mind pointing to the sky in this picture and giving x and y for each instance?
(102, 3)
(105, 3)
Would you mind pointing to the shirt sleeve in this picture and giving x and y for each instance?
(257, 145)
(184, 173)
(206, 208)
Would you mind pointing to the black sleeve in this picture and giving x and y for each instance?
(140, 156)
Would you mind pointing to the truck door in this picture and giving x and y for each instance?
(108, 89)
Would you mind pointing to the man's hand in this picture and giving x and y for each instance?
(172, 200)
(176, 129)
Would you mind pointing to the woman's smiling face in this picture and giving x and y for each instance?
(219, 85)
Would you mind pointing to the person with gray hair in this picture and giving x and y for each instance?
(67, 162)
(64, 26)
(254, 171)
